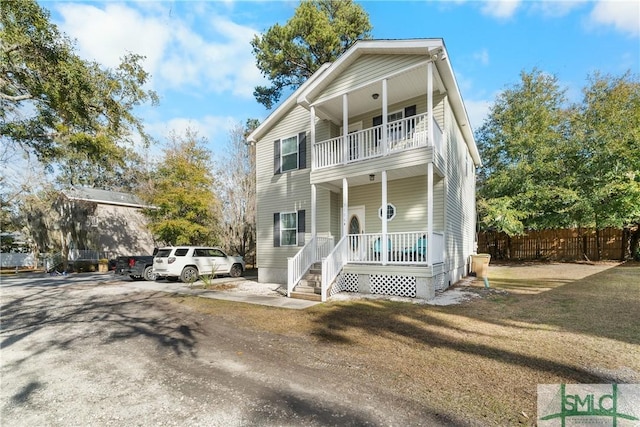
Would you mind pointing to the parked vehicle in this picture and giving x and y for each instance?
(188, 263)
(138, 267)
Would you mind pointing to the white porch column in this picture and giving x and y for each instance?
(313, 211)
(385, 249)
(430, 164)
(430, 103)
(345, 128)
(345, 207)
(312, 126)
(429, 213)
(385, 113)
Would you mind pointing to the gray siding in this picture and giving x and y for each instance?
(286, 192)
(460, 201)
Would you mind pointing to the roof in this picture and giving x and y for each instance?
(328, 72)
(104, 197)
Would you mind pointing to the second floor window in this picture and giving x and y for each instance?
(289, 153)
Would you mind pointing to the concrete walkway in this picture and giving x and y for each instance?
(182, 289)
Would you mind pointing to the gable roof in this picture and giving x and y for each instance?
(104, 197)
(329, 72)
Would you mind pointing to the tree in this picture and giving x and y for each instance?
(125, 175)
(319, 32)
(238, 192)
(185, 210)
(523, 183)
(52, 102)
(606, 136)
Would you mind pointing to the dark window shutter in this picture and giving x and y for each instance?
(276, 230)
(410, 111)
(301, 228)
(276, 157)
(302, 150)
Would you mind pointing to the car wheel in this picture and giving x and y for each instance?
(149, 275)
(189, 275)
(236, 270)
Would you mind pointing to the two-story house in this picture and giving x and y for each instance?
(366, 176)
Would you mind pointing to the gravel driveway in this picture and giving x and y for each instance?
(91, 350)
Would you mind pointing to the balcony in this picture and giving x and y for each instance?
(405, 134)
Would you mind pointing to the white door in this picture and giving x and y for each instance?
(357, 246)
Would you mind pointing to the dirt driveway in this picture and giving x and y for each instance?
(80, 352)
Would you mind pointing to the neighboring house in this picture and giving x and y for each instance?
(366, 176)
(104, 224)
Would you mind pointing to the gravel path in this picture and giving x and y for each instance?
(90, 350)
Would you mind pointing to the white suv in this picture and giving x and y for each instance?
(187, 263)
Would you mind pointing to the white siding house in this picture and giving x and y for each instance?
(366, 176)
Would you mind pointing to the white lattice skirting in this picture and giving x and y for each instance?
(402, 286)
(347, 282)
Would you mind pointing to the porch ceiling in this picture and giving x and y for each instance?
(392, 175)
(402, 86)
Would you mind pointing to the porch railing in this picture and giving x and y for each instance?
(404, 134)
(401, 248)
(315, 250)
(332, 265)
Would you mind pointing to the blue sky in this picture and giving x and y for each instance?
(204, 72)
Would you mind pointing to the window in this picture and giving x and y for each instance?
(289, 153)
(288, 229)
(391, 212)
(181, 252)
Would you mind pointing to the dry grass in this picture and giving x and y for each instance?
(482, 360)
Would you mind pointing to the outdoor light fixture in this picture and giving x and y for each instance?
(372, 177)
(375, 96)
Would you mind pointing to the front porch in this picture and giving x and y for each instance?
(404, 264)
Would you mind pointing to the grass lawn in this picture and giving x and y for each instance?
(479, 361)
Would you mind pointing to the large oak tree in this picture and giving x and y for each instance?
(52, 102)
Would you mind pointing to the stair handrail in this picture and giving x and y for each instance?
(332, 265)
(298, 264)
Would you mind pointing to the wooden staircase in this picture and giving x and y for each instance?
(310, 286)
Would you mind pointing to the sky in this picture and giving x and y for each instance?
(203, 69)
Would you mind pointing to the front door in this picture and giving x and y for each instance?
(356, 229)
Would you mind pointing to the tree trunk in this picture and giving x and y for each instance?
(624, 243)
(598, 245)
(633, 243)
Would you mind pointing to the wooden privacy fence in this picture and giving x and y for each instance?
(560, 245)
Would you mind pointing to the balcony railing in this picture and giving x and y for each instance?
(404, 134)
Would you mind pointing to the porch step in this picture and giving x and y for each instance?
(306, 296)
(310, 286)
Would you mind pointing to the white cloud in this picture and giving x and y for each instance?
(501, 9)
(482, 56)
(105, 35)
(477, 110)
(555, 8)
(624, 16)
(218, 59)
